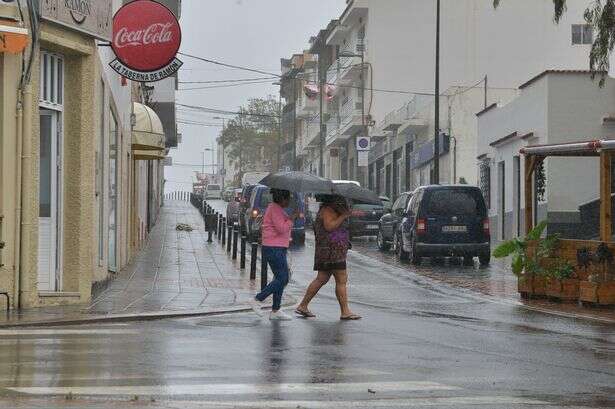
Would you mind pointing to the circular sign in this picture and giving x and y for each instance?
(363, 143)
(146, 35)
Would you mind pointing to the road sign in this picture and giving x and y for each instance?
(363, 158)
(363, 143)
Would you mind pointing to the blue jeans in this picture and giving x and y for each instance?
(276, 258)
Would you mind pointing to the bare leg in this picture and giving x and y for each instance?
(312, 290)
(341, 291)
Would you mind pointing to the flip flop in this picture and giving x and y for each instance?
(304, 314)
(352, 317)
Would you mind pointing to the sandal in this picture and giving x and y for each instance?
(304, 314)
(351, 317)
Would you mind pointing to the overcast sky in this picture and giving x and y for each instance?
(252, 33)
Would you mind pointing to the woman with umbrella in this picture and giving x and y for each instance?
(332, 244)
(276, 230)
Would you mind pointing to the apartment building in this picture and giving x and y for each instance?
(386, 49)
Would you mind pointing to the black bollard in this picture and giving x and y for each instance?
(253, 261)
(209, 236)
(235, 239)
(223, 231)
(229, 240)
(263, 270)
(219, 227)
(242, 262)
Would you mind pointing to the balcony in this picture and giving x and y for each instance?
(333, 130)
(306, 107)
(350, 118)
(344, 71)
(311, 131)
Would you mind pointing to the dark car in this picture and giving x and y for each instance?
(232, 208)
(445, 221)
(364, 219)
(259, 200)
(244, 204)
(390, 221)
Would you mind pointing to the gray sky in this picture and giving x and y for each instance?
(252, 33)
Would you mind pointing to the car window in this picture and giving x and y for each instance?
(265, 198)
(398, 204)
(449, 202)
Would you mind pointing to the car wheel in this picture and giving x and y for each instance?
(414, 256)
(401, 253)
(382, 245)
(468, 261)
(484, 259)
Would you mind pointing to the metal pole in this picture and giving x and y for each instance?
(253, 257)
(263, 270)
(229, 240)
(223, 231)
(486, 88)
(436, 158)
(323, 125)
(357, 169)
(235, 239)
(242, 262)
(219, 227)
(294, 153)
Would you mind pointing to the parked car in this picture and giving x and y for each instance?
(445, 221)
(244, 204)
(364, 219)
(232, 208)
(227, 195)
(213, 191)
(389, 223)
(261, 198)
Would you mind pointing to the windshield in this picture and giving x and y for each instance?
(454, 202)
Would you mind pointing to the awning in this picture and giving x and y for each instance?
(147, 134)
(13, 39)
(148, 155)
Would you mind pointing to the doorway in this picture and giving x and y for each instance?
(50, 202)
(113, 195)
(502, 199)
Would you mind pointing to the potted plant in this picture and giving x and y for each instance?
(599, 288)
(530, 259)
(561, 282)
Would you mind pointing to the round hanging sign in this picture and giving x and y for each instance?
(146, 40)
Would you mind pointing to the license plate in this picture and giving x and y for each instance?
(372, 227)
(454, 229)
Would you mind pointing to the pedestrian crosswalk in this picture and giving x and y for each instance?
(402, 394)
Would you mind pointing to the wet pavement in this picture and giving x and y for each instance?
(422, 343)
(175, 273)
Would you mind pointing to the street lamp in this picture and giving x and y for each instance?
(279, 123)
(436, 144)
(363, 122)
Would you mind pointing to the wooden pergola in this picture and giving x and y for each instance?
(535, 155)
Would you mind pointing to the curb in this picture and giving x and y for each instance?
(149, 316)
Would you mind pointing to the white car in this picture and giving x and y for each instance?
(213, 192)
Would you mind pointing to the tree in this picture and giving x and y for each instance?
(600, 14)
(252, 137)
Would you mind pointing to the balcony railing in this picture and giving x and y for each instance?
(339, 71)
(311, 129)
(333, 128)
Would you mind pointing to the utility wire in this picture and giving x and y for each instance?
(237, 67)
(224, 86)
(222, 81)
(224, 112)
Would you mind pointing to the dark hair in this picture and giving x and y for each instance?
(331, 200)
(280, 195)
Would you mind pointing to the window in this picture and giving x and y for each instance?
(52, 80)
(454, 202)
(582, 34)
(485, 181)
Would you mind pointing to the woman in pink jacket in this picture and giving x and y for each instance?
(276, 231)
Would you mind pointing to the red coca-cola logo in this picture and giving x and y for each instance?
(146, 35)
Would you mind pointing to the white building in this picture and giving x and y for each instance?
(553, 107)
(397, 38)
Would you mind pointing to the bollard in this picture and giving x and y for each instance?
(235, 239)
(263, 270)
(219, 227)
(229, 239)
(253, 257)
(223, 231)
(242, 262)
(216, 226)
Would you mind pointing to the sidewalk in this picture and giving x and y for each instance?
(177, 274)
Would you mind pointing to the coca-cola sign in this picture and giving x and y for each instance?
(146, 39)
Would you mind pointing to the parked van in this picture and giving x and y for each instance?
(213, 191)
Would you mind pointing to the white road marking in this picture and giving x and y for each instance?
(58, 332)
(238, 389)
(489, 401)
(97, 375)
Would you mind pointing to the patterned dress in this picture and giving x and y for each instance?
(331, 247)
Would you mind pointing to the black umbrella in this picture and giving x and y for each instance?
(298, 182)
(357, 193)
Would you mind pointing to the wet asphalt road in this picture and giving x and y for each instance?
(420, 344)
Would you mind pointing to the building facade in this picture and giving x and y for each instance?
(69, 157)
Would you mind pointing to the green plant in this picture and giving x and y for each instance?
(562, 270)
(522, 262)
